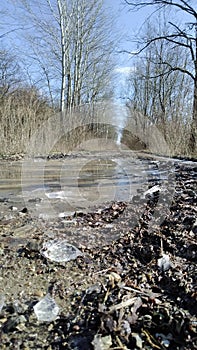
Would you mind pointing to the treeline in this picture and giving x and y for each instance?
(22, 111)
(163, 83)
(62, 60)
(158, 93)
(67, 63)
(30, 125)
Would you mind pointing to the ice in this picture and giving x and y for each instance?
(46, 309)
(164, 262)
(56, 195)
(152, 190)
(102, 343)
(60, 250)
(2, 301)
(45, 216)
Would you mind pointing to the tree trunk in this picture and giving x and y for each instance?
(63, 53)
(193, 136)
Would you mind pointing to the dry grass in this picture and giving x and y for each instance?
(21, 112)
(169, 139)
(29, 125)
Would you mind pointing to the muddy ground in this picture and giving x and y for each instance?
(133, 287)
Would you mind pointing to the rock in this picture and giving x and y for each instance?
(23, 231)
(4, 200)
(23, 211)
(34, 200)
(10, 324)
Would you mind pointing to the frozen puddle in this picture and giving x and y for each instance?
(51, 187)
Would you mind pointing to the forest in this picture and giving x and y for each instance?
(60, 56)
(98, 149)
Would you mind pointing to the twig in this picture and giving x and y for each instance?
(152, 341)
(161, 246)
(148, 294)
(122, 346)
(123, 304)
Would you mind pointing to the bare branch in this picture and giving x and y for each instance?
(181, 38)
(172, 69)
(182, 5)
(168, 38)
(10, 31)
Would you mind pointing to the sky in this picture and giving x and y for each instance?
(127, 24)
(131, 22)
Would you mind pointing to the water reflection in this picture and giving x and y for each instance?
(79, 181)
(10, 177)
(93, 175)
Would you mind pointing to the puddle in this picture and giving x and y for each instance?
(77, 182)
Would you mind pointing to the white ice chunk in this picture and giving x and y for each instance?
(60, 250)
(152, 190)
(46, 309)
(164, 262)
(102, 343)
(56, 195)
(2, 301)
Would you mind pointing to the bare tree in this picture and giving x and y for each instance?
(9, 73)
(164, 99)
(184, 37)
(73, 46)
(5, 28)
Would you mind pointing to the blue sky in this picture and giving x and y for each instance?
(130, 23)
(127, 23)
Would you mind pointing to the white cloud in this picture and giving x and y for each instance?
(124, 70)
